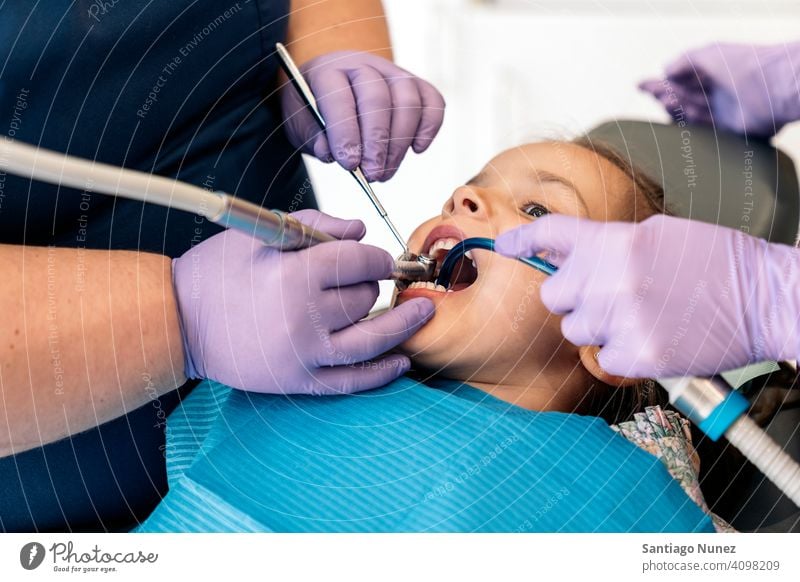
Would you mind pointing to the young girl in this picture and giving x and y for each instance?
(498, 430)
(491, 330)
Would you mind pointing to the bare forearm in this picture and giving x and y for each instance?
(85, 337)
(320, 26)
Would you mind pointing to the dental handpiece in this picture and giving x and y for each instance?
(410, 268)
(275, 228)
(278, 229)
(296, 77)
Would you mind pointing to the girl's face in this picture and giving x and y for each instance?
(493, 328)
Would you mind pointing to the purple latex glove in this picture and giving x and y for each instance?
(374, 112)
(667, 296)
(744, 88)
(265, 321)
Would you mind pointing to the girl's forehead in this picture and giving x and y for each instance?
(554, 156)
(604, 187)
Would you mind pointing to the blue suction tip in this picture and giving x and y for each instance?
(458, 251)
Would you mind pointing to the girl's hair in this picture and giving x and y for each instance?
(647, 194)
(612, 403)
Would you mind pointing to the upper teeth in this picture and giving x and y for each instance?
(443, 243)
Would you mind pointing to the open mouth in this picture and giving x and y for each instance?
(438, 243)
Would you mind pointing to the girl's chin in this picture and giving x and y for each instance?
(422, 348)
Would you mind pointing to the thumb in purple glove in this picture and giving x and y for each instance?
(261, 320)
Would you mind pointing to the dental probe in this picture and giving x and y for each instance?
(709, 403)
(299, 83)
(275, 228)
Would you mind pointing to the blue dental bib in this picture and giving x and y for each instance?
(408, 457)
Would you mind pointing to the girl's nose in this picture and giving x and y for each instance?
(466, 200)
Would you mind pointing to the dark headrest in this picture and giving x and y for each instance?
(712, 176)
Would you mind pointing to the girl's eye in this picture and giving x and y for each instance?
(534, 209)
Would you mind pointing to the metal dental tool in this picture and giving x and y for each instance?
(275, 228)
(410, 267)
(299, 83)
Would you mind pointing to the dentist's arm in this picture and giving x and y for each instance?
(316, 28)
(375, 111)
(90, 335)
(86, 336)
(743, 88)
(667, 296)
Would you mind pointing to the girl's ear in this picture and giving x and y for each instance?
(588, 356)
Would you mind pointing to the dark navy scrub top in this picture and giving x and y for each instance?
(180, 88)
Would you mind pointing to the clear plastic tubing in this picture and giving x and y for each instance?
(764, 453)
(717, 410)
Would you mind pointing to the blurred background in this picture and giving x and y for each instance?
(522, 70)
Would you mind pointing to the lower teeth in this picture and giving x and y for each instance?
(427, 285)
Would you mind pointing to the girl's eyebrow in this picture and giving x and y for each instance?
(541, 177)
(544, 177)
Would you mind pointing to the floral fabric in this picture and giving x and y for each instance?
(666, 435)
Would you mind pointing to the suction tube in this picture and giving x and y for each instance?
(468, 244)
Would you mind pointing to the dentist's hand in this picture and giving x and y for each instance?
(667, 296)
(374, 112)
(265, 321)
(743, 88)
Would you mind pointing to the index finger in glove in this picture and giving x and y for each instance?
(336, 227)
(557, 233)
(343, 263)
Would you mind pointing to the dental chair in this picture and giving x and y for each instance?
(747, 184)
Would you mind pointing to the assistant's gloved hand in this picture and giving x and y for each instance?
(265, 321)
(668, 296)
(744, 88)
(374, 112)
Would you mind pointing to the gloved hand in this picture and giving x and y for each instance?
(265, 321)
(374, 112)
(744, 88)
(668, 296)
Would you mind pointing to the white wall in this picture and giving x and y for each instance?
(517, 70)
